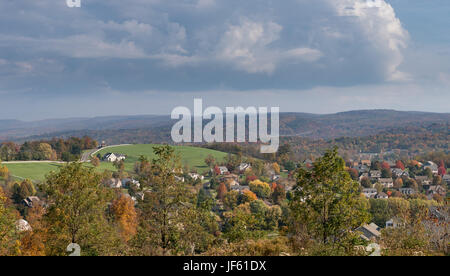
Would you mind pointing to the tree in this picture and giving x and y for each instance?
(386, 173)
(276, 168)
(210, 161)
(125, 215)
(222, 191)
(4, 171)
(47, 152)
(170, 221)
(327, 201)
(261, 189)
(8, 233)
(353, 173)
(442, 171)
(76, 213)
(279, 194)
(247, 196)
(366, 183)
(399, 165)
(95, 161)
(385, 165)
(398, 183)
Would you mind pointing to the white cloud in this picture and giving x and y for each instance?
(247, 46)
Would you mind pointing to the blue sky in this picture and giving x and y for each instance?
(148, 56)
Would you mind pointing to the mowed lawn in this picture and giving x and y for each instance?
(38, 171)
(194, 157)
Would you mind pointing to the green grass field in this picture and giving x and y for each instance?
(192, 156)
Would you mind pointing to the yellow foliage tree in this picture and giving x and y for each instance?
(126, 216)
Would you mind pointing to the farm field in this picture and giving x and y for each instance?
(192, 156)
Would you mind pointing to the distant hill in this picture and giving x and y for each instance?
(152, 128)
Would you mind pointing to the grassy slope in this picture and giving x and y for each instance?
(192, 156)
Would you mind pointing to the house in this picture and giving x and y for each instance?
(399, 172)
(31, 201)
(436, 189)
(114, 183)
(381, 195)
(363, 176)
(239, 188)
(423, 179)
(446, 178)
(127, 182)
(393, 222)
(179, 178)
(369, 192)
(386, 182)
(223, 169)
(432, 166)
(275, 177)
(369, 231)
(113, 157)
(407, 191)
(231, 179)
(366, 162)
(196, 176)
(363, 168)
(375, 174)
(244, 167)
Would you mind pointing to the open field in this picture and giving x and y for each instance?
(192, 156)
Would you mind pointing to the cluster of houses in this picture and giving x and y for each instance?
(375, 176)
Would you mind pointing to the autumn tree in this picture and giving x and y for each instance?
(125, 215)
(327, 204)
(222, 191)
(399, 165)
(76, 212)
(170, 219)
(8, 234)
(95, 161)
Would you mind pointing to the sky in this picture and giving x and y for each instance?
(148, 56)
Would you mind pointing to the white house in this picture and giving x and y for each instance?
(223, 170)
(369, 192)
(196, 176)
(113, 157)
(386, 182)
(243, 167)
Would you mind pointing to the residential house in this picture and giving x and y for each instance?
(196, 176)
(432, 166)
(223, 170)
(369, 232)
(114, 183)
(446, 178)
(362, 169)
(399, 172)
(31, 201)
(393, 222)
(366, 162)
(244, 167)
(423, 179)
(381, 195)
(375, 174)
(369, 192)
(363, 176)
(275, 177)
(127, 182)
(386, 182)
(239, 188)
(113, 157)
(436, 189)
(407, 191)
